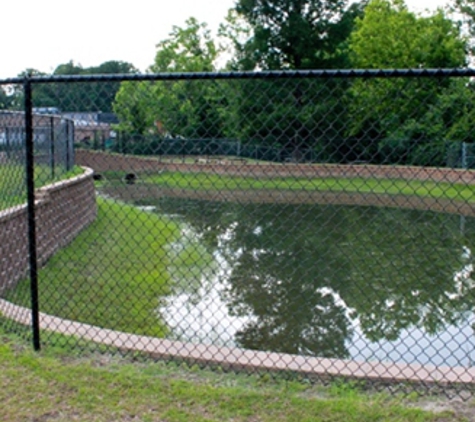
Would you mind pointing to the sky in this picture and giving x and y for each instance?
(42, 34)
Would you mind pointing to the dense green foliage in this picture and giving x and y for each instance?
(390, 36)
(167, 109)
(383, 120)
(408, 120)
(297, 34)
(6, 101)
(78, 97)
(403, 121)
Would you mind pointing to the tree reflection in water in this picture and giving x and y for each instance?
(304, 276)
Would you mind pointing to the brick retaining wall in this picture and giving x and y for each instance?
(103, 161)
(63, 209)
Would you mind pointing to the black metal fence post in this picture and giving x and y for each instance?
(52, 141)
(72, 157)
(7, 142)
(30, 184)
(67, 143)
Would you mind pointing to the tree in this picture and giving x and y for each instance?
(464, 13)
(390, 36)
(6, 100)
(296, 34)
(189, 109)
(301, 118)
(188, 49)
(388, 115)
(234, 35)
(102, 94)
(80, 97)
(185, 109)
(17, 97)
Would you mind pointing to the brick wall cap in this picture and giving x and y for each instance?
(88, 173)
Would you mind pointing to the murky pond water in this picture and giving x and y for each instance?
(332, 281)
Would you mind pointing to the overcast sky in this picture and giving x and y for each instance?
(41, 34)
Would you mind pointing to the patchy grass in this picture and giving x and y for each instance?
(112, 275)
(100, 387)
(203, 181)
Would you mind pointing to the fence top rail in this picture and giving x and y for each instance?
(276, 74)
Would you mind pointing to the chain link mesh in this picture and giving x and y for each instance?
(317, 225)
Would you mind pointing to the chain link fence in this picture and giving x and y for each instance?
(313, 223)
(53, 141)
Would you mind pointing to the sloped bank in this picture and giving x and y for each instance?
(107, 162)
(63, 210)
(140, 192)
(104, 161)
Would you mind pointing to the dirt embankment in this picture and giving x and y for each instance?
(102, 162)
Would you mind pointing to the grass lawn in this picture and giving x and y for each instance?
(56, 385)
(113, 274)
(203, 181)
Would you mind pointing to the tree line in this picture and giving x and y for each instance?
(379, 120)
(76, 97)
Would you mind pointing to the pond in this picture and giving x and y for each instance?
(355, 282)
